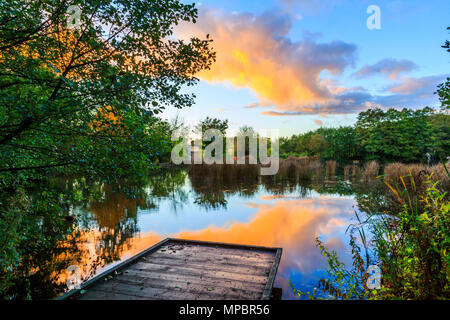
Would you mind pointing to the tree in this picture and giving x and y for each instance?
(248, 133)
(317, 144)
(56, 82)
(440, 135)
(211, 123)
(444, 88)
(395, 135)
(342, 144)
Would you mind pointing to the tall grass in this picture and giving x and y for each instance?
(302, 168)
(330, 168)
(420, 173)
(352, 170)
(223, 172)
(370, 170)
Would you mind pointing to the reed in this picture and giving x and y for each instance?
(416, 178)
(331, 168)
(348, 171)
(439, 173)
(223, 172)
(370, 170)
(302, 168)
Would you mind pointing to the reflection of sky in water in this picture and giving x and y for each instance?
(286, 221)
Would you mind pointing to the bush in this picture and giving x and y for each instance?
(411, 246)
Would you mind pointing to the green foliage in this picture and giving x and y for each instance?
(444, 94)
(317, 144)
(414, 245)
(86, 97)
(82, 102)
(444, 88)
(394, 135)
(338, 282)
(212, 123)
(342, 144)
(328, 143)
(411, 247)
(440, 135)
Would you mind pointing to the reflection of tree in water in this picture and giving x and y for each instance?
(168, 184)
(48, 245)
(282, 184)
(212, 183)
(39, 275)
(116, 216)
(116, 212)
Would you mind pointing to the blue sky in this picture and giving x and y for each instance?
(295, 65)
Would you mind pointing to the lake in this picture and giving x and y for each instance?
(276, 211)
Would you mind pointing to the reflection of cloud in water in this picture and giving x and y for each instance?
(280, 196)
(290, 224)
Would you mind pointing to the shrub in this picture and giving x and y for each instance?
(411, 246)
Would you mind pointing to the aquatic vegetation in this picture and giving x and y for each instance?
(410, 245)
(370, 170)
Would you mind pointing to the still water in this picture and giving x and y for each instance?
(265, 211)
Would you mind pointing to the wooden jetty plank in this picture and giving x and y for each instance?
(155, 268)
(208, 284)
(187, 269)
(216, 249)
(269, 286)
(258, 287)
(99, 294)
(207, 258)
(193, 287)
(213, 265)
(220, 245)
(227, 253)
(168, 292)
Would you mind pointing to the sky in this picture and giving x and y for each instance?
(297, 65)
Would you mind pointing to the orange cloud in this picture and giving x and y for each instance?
(254, 52)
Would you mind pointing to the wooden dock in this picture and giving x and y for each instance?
(176, 269)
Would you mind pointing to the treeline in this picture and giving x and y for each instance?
(393, 135)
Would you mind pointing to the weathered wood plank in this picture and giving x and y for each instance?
(164, 293)
(216, 287)
(195, 272)
(238, 254)
(257, 287)
(221, 245)
(211, 265)
(269, 285)
(207, 257)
